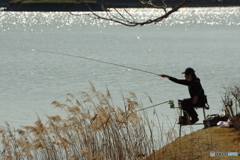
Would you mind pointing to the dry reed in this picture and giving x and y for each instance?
(94, 129)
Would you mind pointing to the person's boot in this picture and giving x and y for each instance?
(194, 120)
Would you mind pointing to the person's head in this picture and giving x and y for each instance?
(189, 74)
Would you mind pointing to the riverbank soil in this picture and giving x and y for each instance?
(199, 144)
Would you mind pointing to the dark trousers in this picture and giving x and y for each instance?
(187, 106)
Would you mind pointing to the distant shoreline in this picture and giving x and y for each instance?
(189, 4)
(19, 5)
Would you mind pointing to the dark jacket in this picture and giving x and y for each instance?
(194, 88)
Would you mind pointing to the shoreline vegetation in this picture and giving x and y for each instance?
(95, 128)
(94, 5)
(53, 5)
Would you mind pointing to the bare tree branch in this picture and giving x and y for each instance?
(124, 17)
(149, 2)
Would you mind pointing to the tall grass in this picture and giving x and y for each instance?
(95, 129)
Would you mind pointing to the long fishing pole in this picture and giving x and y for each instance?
(154, 105)
(91, 59)
(111, 64)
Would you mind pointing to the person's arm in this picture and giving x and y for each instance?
(179, 81)
(164, 76)
(195, 100)
(199, 92)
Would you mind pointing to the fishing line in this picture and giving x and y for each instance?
(91, 59)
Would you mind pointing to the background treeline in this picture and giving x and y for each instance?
(155, 2)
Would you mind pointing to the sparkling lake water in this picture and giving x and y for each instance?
(206, 39)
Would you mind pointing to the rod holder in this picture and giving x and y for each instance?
(171, 103)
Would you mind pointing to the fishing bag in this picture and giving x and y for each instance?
(183, 120)
(213, 119)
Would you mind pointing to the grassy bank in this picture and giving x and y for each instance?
(199, 144)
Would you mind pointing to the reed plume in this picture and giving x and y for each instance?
(93, 130)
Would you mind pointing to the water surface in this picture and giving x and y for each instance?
(206, 39)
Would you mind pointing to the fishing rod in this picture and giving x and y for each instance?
(170, 102)
(91, 59)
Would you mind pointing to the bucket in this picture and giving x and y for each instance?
(179, 102)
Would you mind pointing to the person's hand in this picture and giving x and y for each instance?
(195, 99)
(164, 75)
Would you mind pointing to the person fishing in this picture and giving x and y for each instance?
(196, 92)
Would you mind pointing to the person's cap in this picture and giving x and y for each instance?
(188, 71)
